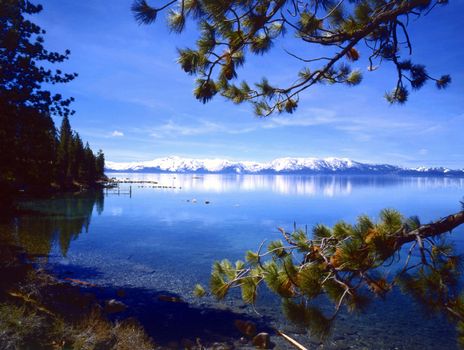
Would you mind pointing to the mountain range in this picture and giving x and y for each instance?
(287, 165)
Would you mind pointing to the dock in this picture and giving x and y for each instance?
(113, 187)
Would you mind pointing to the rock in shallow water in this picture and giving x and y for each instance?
(113, 306)
(247, 328)
(243, 340)
(170, 299)
(262, 341)
(222, 346)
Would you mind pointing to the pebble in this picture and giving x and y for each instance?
(169, 299)
(243, 340)
(247, 328)
(262, 341)
(113, 306)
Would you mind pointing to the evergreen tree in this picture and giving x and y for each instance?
(64, 150)
(90, 164)
(73, 154)
(21, 55)
(27, 131)
(31, 154)
(100, 164)
(34, 148)
(347, 265)
(231, 30)
(78, 157)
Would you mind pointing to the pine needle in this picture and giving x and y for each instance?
(291, 340)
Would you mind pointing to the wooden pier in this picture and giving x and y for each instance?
(113, 187)
(118, 191)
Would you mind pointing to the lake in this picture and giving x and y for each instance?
(153, 239)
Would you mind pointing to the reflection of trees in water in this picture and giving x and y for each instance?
(55, 221)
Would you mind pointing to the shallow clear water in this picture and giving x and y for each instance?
(164, 240)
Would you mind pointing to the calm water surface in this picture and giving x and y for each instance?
(164, 240)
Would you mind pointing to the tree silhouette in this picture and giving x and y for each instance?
(22, 52)
(31, 155)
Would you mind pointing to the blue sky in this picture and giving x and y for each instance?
(134, 102)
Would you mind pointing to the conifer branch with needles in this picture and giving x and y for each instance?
(232, 30)
(347, 264)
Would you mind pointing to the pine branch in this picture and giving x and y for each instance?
(447, 224)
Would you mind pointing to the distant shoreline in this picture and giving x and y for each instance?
(406, 173)
(300, 166)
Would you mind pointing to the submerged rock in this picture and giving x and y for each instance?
(247, 328)
(170, 299)
(243, 340)
(262, 341)
(113, 306)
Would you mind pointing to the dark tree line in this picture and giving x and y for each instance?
(76, 163)
(33, 154)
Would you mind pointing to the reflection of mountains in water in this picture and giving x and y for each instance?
(53, 221)
(319, 185)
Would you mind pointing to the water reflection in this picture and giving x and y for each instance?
(49, 222)
(160, 240)
(323, 185)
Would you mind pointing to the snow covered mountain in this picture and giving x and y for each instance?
(277, 166)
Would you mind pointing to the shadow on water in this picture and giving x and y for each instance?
(164, 315)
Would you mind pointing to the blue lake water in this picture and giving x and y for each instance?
(164, 240)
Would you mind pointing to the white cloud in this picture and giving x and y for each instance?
(200, 126)
(117, 133)
(363, 129)
(307, 117)
(423, 151)
(171, 128)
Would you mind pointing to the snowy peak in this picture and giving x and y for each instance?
(286, 165)
(173, 164)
